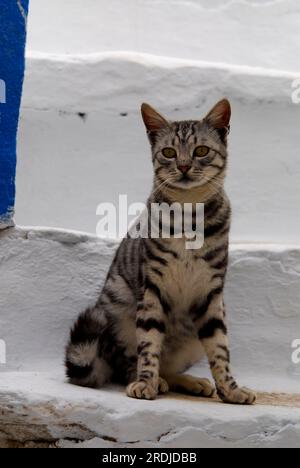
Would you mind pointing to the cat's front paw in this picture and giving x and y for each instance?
(142, 391)
(238, 396)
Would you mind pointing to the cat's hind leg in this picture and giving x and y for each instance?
(189, 385)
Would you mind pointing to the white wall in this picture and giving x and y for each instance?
(81, 142)
(68, 165)
(243, 32)
(52, 276)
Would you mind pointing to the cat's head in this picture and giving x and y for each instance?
(188, 154)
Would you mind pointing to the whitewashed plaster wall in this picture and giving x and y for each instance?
(243, 32)
(81, 139)
(81, 142)
(48, 277)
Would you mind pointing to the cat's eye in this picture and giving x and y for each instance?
(169, 153)
(201, 151)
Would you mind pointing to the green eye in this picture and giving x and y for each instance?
(201, 151)
(169, 153)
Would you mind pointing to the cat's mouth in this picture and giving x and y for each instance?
(185, 178)
(186, 181)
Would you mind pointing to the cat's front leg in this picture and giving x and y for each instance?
(151, 326)
(212, 332)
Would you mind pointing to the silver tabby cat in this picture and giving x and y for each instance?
(162, 307)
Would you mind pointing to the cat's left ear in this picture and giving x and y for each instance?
(219, 117)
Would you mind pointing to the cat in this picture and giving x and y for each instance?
(161, 308)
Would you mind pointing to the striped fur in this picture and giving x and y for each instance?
(162, 306)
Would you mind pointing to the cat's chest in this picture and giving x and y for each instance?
(186, 279)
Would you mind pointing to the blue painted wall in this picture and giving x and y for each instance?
(13, 14)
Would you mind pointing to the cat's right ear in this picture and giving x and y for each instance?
(153, 121)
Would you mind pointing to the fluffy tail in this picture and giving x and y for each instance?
(84, 364)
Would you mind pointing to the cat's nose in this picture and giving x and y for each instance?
(184, 168)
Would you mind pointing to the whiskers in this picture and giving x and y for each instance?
(201, 187)
(213, 182)
(165, 184)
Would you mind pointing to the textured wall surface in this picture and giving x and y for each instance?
(82, 140)
(48, 277)
(52, 276)
(259, 33)
(12, 40)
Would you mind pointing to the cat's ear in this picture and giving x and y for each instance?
(152, 119)
(219, 116)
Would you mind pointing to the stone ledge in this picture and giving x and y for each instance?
(39, 409)
(49, 276)
(114, 80)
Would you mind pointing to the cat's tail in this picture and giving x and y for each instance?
(84, 364)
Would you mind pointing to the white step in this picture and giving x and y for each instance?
(48, 277)
(247, 30)
(82, 141)
(40, 408)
